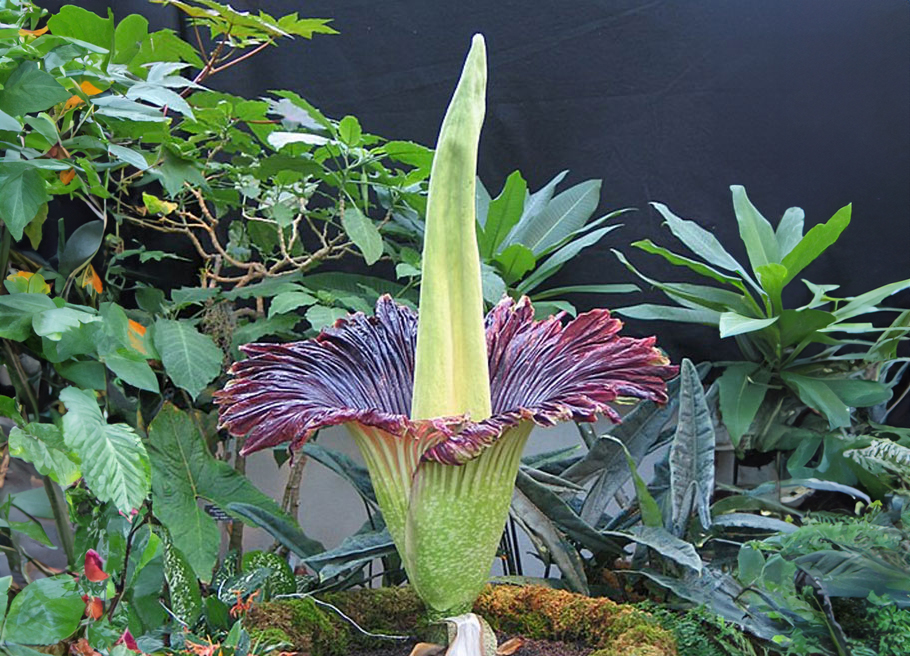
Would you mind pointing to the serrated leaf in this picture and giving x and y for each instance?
(349, 130)
(191, 359)
(114, 462)
(321, 316)
(363, 232)
(290, 301)
(184, 470)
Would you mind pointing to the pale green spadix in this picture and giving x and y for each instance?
(451, 375)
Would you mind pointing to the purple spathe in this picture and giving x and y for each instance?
(362, 370)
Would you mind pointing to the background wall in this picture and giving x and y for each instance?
(805, 102)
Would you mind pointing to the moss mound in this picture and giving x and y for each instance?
(533, 611)
(538, 612)
(300, 623)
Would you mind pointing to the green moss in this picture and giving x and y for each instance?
(270, 639)
(544, 613)
(533, 611)
(303, 624)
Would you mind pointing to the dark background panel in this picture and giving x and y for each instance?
(805, 102)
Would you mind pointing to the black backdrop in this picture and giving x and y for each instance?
(805, 102)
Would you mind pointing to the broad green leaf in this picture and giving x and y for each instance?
(364, 233)
(35, 228)
(492, 284)
(130, 156)
(691, 455)
(451, 353)
(651, 312)
(859, 393)
(797, 325)
(349, 130)
(45, 612)
(321, 316)
(290, 301)
(515, 261)
(8, 122)
(16, 311)
(742, 390)
(816, 241)
(30, 90)
(555, 261)
(772, 276)
(183, 471)
(503, 213)
(752, 521)
(190, 358)
(81, 246)
(885, 347)
(790, 230)
(54, 323)
(128, 110)
(700, 241)
(816, 394)
(867, 302)
(132, 368)
(43, 446)
(732, 324)
(175, 171)
(693, 265)
(87, 374)
(535, 204)
(79, 23)
(22, 195)
(750, 562)
(114, 462)
(562, 215)
(755, 231)
(128, 36)
(665, 543)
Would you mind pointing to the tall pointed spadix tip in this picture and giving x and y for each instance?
(451, 374)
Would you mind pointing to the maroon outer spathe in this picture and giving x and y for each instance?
(362, 370)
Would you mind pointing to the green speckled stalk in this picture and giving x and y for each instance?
(446, 520)
(455, 520)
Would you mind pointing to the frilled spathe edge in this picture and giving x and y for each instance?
(362, 370)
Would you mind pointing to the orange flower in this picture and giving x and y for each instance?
(91, 278)
(67, 176)
(242, 606)
(33, 32)
(93, 567)
(82, 648)
(200, 649)
(94, 607)
(74, 101)
(88, 89)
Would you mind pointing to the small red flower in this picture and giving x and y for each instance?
(94, 607)
(128, 641)
(93, 567)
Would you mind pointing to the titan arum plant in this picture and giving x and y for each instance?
(441, 406)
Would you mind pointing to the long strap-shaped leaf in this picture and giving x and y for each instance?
(451, 375)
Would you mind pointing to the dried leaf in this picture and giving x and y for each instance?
(510, 646)
(427, 649)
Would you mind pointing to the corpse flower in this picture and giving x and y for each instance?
(441, 407)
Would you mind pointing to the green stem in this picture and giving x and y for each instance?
(5, 244)
(61, 519)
